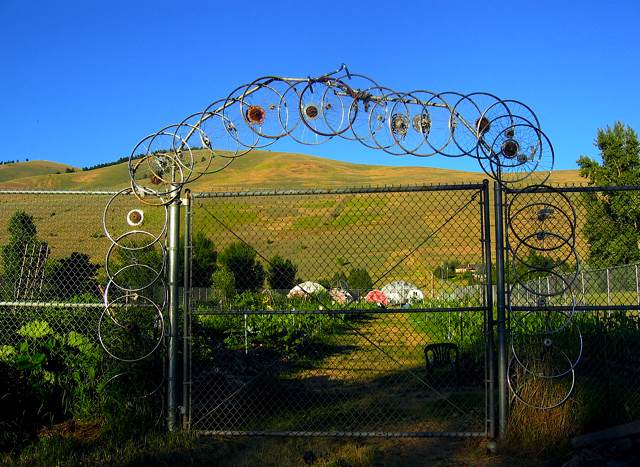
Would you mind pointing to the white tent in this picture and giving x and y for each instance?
(401, 292)
(305, 289)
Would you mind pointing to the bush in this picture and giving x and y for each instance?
(446, 270)
(240, 260)
(204, 260)
(46, 375)
(223, 284)
(136, 277)
(339, 279)
(74, 275)
(359, 279)
(281, 273)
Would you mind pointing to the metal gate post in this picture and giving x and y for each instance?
(172, 274)
(501, 313)
(489, 321)
(186, 318)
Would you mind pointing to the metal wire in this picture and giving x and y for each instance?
(223, 394)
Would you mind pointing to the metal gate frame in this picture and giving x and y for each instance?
(492, 429)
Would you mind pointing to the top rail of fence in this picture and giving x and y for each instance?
(340, 191)
(572, 188)
(59, 192)
(346, 190)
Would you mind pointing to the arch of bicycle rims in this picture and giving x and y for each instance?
(504, 136)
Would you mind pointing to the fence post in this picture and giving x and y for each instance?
(608, 288)
(637, 286)
(172, 273)
(501, 312)
(433, 295)
(489, 322)
(186, 316)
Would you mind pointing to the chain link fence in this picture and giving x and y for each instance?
(331, 312)
(587, 295)
(52, 278)
(343, 312)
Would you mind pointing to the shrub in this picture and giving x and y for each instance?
(136, 277)
(359, 279)
(240, 260)
(46, 375)
(338, 280)
(447, 270)
(223, 284)
(74, 275)
(281, 273)
(204, 260)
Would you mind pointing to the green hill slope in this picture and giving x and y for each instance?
(10, 172)
(260, 169)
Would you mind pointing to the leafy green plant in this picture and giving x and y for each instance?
(74, 275)
(240, 260)
(49, 375)
(359, 279)
(281, 273)
(223, 284)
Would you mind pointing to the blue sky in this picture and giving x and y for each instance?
(83, 81)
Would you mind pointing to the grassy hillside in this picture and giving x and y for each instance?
(408, 234)
(18, 170)
(260, 169)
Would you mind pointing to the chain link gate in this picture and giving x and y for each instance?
(560, 298)
(362, 328)
(265, 363)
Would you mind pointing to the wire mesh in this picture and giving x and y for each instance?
(318, 310)
(334, 358)
(52, 278)
(590, 299)
(52, 247)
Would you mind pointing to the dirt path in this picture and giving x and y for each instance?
(375, 347)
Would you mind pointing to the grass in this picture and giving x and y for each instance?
(367, 374)
(259, 169)
(410, 233)
(181, 449)
(19, 170)
(354, 227)
(363, 380)
(325, 234)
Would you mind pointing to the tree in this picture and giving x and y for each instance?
(22, 236)
(74, 275)
(447, 270)
(21, 226)
(223, 284)
(281, 273)
(203, 260)
(124, 271)
(240, 260)
(359, 279)
(612, 226)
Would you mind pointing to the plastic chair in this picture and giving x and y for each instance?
(442, 355)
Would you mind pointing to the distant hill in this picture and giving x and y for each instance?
(17, 170)
(260, 169)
